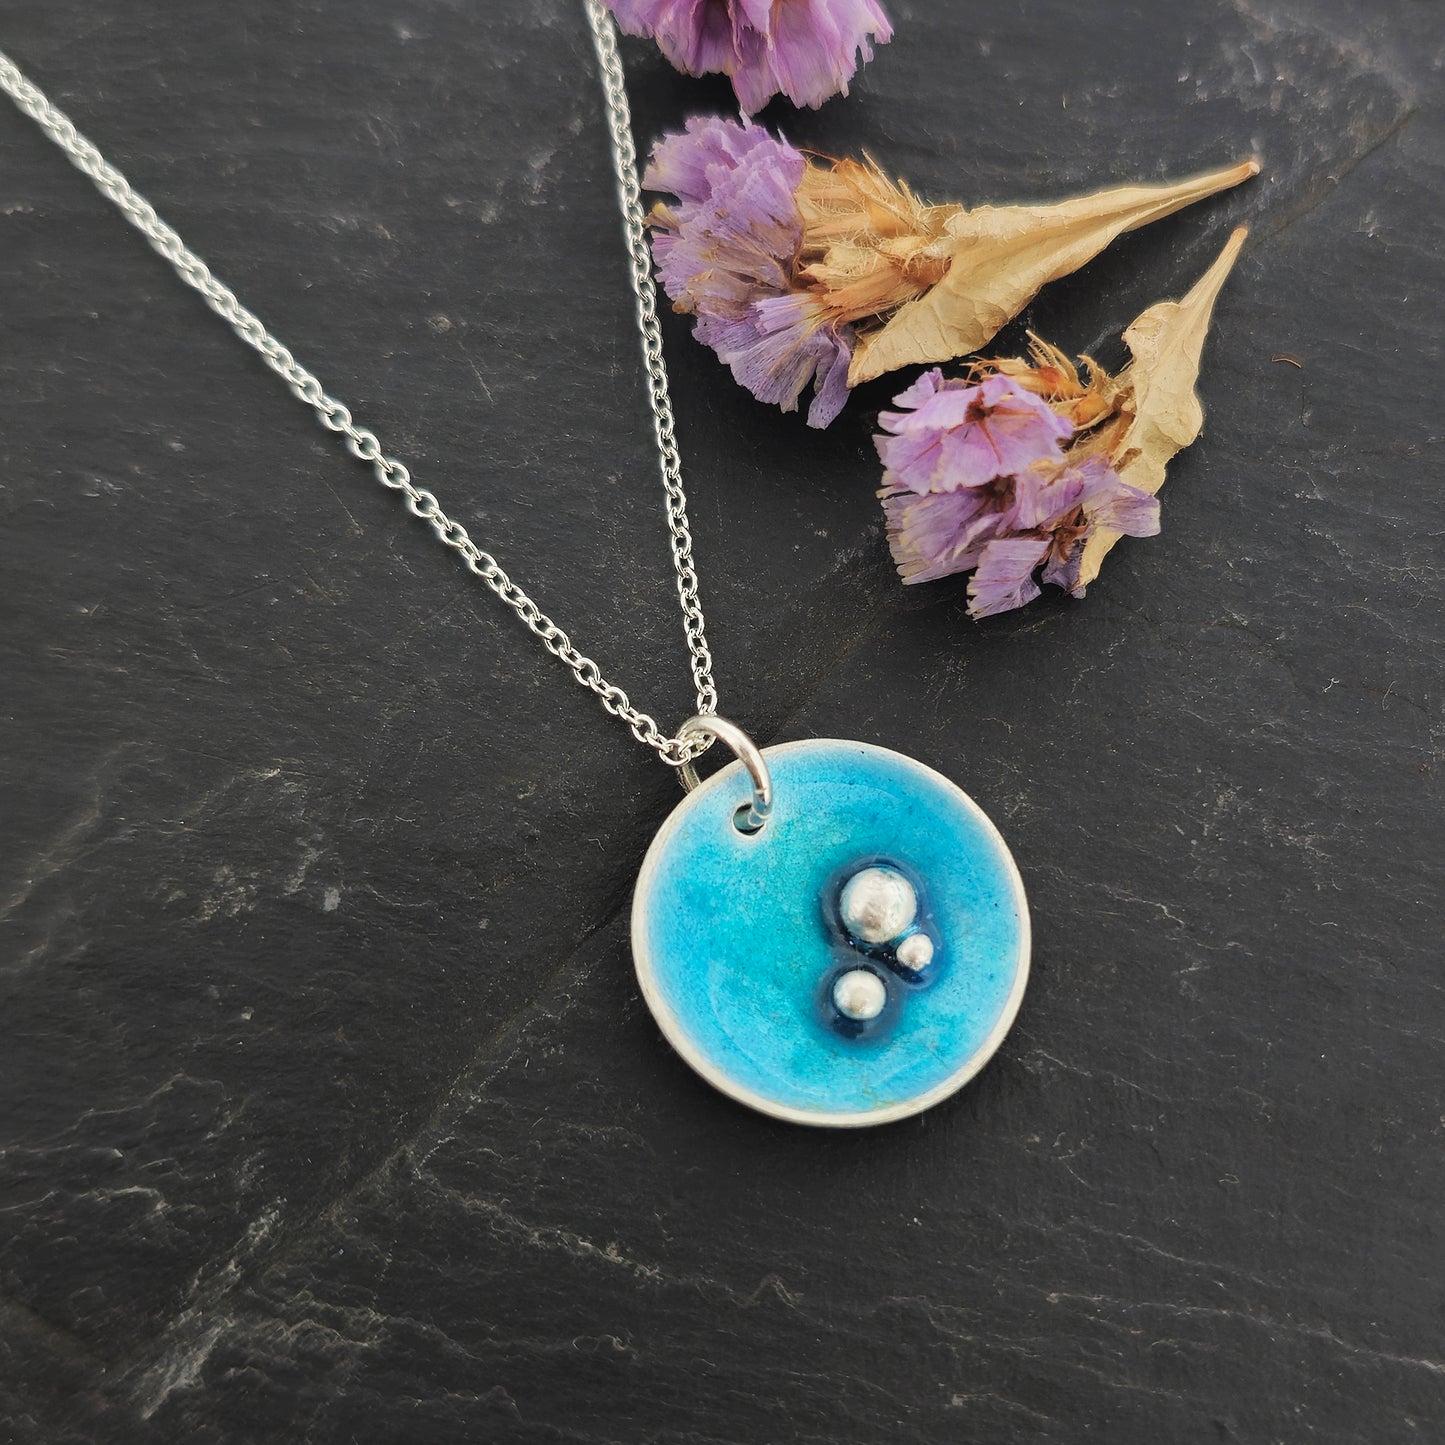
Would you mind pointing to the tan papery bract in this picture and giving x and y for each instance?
(953, 277)
(1158, 412)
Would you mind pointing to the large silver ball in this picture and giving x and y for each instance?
(859, 995)
(877, 905)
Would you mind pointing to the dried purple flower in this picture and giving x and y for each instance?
(868, 271)
(725, 254)
(977, 478)
(807, 50)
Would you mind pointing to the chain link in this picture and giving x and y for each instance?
(366, 447)
(629, 190)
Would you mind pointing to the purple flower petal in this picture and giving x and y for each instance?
(814, 50)
(1063, 567)
(831, 385)
(936, 535)
(1004, 578)
(966, 436)
(683, 161)
(1046, 494)
(700, 38)
(1128, 510)
(778, 347)
(928, 385)
(697, 36)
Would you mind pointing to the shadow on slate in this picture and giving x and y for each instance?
(330, 1109)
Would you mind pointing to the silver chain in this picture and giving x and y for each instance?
(365, 446)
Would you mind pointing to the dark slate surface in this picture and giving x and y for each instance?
(331, 1112)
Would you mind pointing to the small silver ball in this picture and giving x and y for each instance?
(916, 951)
(877, 904)
(859, 995)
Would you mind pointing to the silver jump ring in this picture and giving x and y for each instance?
(751, 816)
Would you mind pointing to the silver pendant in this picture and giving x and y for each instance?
(830, 932)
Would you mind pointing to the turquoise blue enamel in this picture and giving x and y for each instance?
(738, 938)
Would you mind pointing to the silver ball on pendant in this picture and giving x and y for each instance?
(916, 952)
(859, 995)
(877, 904)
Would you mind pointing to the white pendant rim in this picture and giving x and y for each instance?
(679, 1038)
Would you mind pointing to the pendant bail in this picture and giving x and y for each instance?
(753, 815)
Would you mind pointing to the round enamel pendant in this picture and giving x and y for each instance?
(855, 959)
